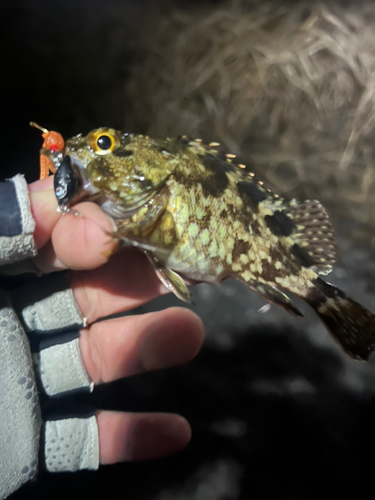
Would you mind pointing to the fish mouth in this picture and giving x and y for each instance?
(87, 188)
(110, 204)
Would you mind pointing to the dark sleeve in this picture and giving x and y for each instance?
(16, 222)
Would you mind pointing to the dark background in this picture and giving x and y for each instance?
(64, 65)
(275, 407)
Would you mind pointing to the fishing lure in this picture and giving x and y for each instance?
(53, 143)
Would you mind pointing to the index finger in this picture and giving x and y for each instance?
(66, 240)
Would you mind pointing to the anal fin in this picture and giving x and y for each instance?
(170, 279)
(274, 295)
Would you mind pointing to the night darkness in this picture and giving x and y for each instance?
(64, 65)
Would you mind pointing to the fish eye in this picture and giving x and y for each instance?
(104, 141)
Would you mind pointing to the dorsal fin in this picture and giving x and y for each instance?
(314, 233)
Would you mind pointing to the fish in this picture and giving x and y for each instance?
(200, 216)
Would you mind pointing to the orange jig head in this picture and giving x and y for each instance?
(53, 143)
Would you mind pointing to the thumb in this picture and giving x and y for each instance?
(43, 208)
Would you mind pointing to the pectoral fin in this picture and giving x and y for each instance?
(170, 279)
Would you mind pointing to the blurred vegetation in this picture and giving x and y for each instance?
(287, 86)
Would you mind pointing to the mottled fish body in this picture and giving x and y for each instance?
(199, 216)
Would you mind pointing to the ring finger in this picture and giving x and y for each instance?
(120, 347)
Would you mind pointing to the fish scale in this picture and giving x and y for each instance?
(199, 216)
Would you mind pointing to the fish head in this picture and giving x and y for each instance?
(115, 169)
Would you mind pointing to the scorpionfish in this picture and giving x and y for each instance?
(199, 216)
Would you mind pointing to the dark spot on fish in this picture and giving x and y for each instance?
(256, 229)
(219, 161)
(146, 183)
(122, 153)
(269, 271)
(218, 181)
(240, 247)
(302, 255)
(207, 216)
(213, 185)
(223, 214)
(250, 224)
(251, 194)
(279, 223)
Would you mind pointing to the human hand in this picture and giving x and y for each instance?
(120, 347)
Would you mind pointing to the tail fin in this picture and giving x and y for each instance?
(352, 326)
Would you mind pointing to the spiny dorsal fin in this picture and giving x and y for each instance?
(314, 233)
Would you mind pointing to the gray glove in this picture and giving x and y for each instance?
(42, 309)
